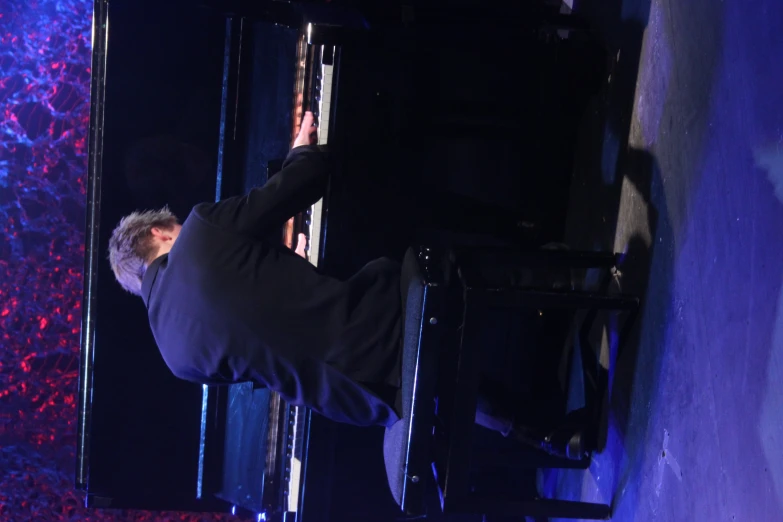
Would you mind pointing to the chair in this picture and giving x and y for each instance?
(429, 469)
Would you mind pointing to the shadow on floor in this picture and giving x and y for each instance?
(606, 168)
(618, 201)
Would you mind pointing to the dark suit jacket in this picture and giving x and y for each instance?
(227, 305)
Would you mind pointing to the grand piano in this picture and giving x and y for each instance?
(196, 100)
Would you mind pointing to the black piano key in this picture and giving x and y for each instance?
(327, 57)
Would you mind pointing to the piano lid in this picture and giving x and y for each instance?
(154, 110)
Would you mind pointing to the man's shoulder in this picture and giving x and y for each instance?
(202, 217)
(219, 215)
(200, 211)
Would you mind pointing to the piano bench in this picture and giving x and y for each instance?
(427, 453)
(406, 448)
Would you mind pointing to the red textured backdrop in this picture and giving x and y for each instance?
(44, 99)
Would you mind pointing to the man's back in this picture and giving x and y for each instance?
(226, 305)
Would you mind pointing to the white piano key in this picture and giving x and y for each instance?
(314, 248)
(315, 233)
(295, 464)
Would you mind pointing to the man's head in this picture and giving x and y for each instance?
(137, 241)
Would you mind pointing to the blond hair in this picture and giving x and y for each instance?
(131, 248)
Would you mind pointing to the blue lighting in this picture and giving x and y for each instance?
(261, 516)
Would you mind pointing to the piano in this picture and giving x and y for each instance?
(203, 107)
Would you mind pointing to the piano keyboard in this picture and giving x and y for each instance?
(323, 99)
(322, 105)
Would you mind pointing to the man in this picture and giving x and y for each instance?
(227, 305)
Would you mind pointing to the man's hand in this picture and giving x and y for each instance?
(308, 134)
(301, 244)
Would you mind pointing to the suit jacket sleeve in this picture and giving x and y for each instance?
(300, 183)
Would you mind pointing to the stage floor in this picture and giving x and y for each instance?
(683, 156)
